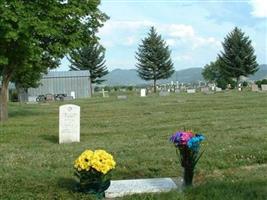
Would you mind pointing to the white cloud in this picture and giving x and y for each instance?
(186, 35)
(180, 30)
(112, 25)
(209, 41)
(184, 57)
(259, 8)
(123, 33)
(170, 42)
(130, 41)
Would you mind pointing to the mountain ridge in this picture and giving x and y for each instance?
(189, 75)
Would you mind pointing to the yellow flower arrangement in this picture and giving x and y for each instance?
(99, 160)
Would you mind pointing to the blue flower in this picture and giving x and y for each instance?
(194, 142)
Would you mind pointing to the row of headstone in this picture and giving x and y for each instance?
(255, 88)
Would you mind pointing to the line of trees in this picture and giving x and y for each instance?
(35, 35)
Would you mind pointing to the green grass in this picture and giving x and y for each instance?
(34, 166)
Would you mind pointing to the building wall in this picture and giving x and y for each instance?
(63, 85)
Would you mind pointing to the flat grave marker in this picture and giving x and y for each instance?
(123, 97)
(120, 188)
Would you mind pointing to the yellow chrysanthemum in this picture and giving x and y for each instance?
(99, 160)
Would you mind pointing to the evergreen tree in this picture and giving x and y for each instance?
(238, 55)
(92, 58)
(153, 58)
(213, 73)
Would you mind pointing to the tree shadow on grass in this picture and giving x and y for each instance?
(50, 138)
(243, 189)
(69, 184)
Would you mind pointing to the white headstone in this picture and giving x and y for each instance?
(204, 89)
(164, 93)
(72, 93)
(69, 123)
(191, 91)
(264, 87)
(217, 89)
(143, 93)
(32, 98)
(254, 88)
(104, 93)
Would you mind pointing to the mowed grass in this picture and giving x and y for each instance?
(136, 131)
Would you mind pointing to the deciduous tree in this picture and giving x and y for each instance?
(32, 31)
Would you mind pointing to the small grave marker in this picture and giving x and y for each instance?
(143, 92)
(69, 123)
(123, 97)
(104, 93)
(264, 87)
(204, 89)
(164, 93)
(217, 89)
(254, 88)
(72, 93)
(191, 91)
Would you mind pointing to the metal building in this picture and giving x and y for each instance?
(64, 82)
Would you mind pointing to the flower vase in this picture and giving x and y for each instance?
(94, 183)
(188, 176)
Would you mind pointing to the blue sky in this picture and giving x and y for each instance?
(194, 30)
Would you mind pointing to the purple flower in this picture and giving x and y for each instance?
(181, 138)
(175, 138)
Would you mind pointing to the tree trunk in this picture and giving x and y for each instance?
(237, 82)
(4, 100)
(91, 89)
(155, 86)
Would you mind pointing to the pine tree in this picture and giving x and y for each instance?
(238, 55)
(92, 58)
(212, 72)
(153, 58)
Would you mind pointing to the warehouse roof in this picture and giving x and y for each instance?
(62, 74)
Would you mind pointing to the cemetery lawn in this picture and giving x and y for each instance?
(136, 131)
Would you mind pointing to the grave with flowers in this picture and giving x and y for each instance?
(93, 170)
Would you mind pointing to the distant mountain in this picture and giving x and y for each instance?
(130, 76)
(260, 74)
